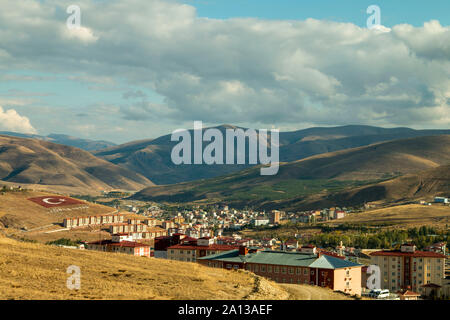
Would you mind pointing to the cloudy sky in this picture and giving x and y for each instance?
(138, 69)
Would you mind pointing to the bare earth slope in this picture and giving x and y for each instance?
(31, 161)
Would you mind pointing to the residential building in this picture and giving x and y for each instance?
(117, 244)
(409, 268)
(260, 221)
(191, 252)
(408, 295)
(274, 217)
(292, 267)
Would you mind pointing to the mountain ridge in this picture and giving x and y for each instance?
(151, 157)
(32, 161)
(323, 174)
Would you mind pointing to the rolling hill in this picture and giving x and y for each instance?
(411, 187)
(85, 144)
(323, 178)
(151, 158)
(37, 271)
(37, 162)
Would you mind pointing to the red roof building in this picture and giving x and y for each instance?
(128, 247)
(190, 252)
(409, 268)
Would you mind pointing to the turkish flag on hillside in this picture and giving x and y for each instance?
(54, 201)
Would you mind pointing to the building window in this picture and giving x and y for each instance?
(291, 270)
(283, 270)
(276, 269)
(299, 271)
(263, 268)
(269, 269)
(255, 268)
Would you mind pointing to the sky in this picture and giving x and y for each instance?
(139, 69)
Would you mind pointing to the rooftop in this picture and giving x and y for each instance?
(295, 259)
(394, 253)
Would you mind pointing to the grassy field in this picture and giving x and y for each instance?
(21, 212)
(37, 271)
(16, 212)
(410, 215)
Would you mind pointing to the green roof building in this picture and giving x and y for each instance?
(292, 267)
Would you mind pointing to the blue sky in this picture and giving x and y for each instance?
(414, 12)
(144, 68)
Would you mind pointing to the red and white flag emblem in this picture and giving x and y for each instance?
(55, 201)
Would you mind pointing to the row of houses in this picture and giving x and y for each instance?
(93, 220)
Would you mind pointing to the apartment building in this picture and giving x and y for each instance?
(292, 267)
(274, 217)
(92, 220)
(119, 245)
(409, 268)
(194, 250)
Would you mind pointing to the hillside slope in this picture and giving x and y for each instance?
(36, 271)
(32, 161)
(151, 158)
(16, 211)
(319, 176)
(85, 144)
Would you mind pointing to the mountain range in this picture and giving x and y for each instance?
(346, 165)
(312, 180)
(151, 158)
(33, 161)
(85, 144)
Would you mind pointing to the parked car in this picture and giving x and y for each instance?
(379, 293)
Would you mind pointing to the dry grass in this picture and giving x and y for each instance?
(20, 212)
(37, 271)
(405, 215)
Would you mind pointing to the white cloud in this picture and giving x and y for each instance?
(239, 70)
(10, 120)
(82, 34)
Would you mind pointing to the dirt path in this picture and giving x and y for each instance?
(307, 292)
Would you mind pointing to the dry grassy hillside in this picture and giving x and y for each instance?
(326, 180)
(36, 271)
(31, 161)
(376, 161)
(404, 215)
(423, 185)
(17, 211)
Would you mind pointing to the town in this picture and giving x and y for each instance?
(221, 237)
